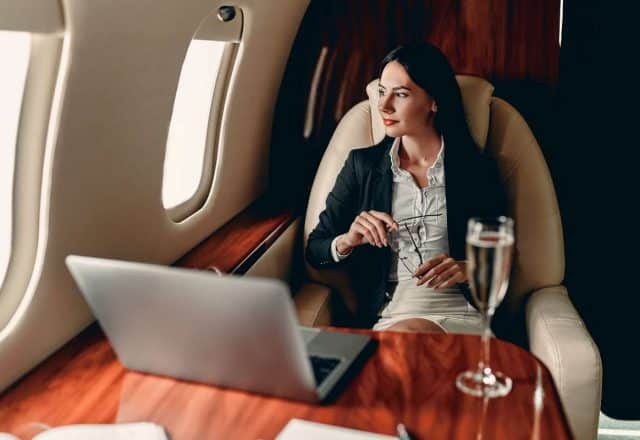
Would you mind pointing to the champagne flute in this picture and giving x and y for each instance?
(489, 251)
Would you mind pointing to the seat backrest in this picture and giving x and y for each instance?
(494, 125)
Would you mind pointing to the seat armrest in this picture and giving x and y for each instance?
(312, 303)
(559, 338)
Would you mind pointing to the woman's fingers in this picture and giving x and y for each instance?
(444, 265)
(429, 264)
(364, 222)
(372, 233)
(455, 279)
(378, 226)
(358, 228)
(445, 276)
(442, 272)
(375, 226)
(386, 218)
(456, 274)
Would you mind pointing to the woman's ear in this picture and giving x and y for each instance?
(434, 107)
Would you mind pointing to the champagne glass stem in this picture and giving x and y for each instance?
(484, 369)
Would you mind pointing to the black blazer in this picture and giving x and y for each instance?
(473, 188)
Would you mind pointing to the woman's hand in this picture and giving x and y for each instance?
(369, 227)
(441, 272)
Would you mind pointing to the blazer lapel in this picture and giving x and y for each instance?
(379, 199)
(381, 184)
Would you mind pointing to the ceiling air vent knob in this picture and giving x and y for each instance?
(226, 13)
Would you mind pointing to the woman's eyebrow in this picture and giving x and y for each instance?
(394, 88)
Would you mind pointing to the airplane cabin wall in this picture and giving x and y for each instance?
(103, 165)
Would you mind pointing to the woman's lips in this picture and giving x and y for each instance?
(389, 122)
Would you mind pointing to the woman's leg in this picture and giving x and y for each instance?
(416, 325)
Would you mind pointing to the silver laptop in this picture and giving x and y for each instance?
(235, 332)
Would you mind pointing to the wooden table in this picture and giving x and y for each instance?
(410, 379)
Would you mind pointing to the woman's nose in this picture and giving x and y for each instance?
(384, 104)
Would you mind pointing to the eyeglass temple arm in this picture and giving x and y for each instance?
(415, 246)
(405, 264)
(419, 216)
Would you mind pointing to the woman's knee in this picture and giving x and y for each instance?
(416, 325)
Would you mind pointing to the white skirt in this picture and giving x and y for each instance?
(447, 308)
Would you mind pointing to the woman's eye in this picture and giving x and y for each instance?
(380, 92)
(401, 95)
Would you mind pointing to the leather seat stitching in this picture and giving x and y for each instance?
(556, 354)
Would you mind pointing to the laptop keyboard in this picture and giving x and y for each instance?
(322, 367)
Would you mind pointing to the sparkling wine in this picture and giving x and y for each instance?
(489, 251)
(488, 268)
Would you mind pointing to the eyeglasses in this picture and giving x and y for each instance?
(404, 223)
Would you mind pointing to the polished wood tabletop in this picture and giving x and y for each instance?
(409, 379)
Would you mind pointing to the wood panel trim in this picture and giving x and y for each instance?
(234, 247)
(410, 377)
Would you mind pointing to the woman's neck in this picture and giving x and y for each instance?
(421, 148)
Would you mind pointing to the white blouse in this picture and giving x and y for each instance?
(408, 201)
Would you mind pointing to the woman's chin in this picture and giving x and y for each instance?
(392, 132)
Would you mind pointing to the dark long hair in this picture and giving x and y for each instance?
(430, 69)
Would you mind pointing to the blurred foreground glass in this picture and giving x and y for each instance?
(489, 252)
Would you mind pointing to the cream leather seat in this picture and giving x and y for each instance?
(556, 334)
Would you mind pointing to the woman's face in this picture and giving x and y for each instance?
(405, 107)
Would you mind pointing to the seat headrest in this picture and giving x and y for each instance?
(476, 98)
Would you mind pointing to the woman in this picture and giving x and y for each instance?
(392, 217)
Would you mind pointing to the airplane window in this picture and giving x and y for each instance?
(187, 138)
(14, 53)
